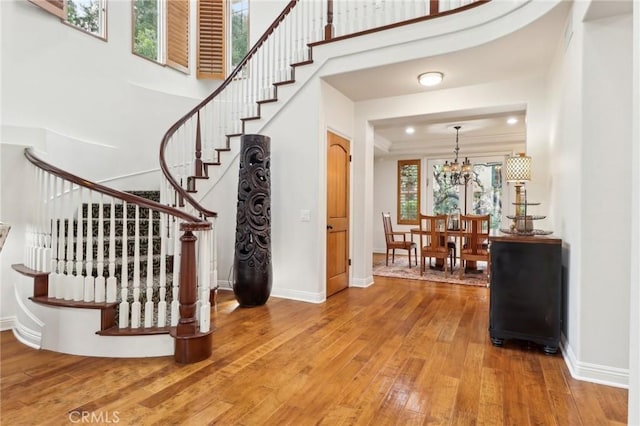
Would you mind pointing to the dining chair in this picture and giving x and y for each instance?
(434, 239)
(474, 240)
(393, 243)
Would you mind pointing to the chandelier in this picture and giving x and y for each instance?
(454, 172)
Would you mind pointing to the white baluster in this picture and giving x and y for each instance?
(69, 281)
(112, 282)
(175, 303)
(78, 288)
(136, 307)
(46, 223)
(59, 277)
(214, 258)
(89, 281)
(123, 320)
(55, 244)
(204, 281)
(36, 257)
(148, 306)
(99, 283)
(162, 304)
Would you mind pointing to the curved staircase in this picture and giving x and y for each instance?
(86, 238)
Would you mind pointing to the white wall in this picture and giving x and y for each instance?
(591, 120)
(527, 91)
(385, 193)
(90, 106)
(634, 299)
(262, 13)
(607, 103)
(91, 91)
(16, 210)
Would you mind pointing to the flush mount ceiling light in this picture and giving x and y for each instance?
(431, 78)
(512, 120)
(409, 130)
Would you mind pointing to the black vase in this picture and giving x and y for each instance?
(252, 261)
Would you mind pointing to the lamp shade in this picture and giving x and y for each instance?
(518, 168)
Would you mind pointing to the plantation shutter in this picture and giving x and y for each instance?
(178, 34)
(55, 7)
(211, 40)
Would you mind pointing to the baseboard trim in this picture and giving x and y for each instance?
(594, 373)
(7, 323)
(28, 337)
(362, 282)
(303, 296)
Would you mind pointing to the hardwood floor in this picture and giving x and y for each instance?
(399, 352)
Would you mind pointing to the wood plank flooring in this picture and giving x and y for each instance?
(397, 353)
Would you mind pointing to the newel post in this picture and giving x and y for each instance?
(328, 29)
(191, 345)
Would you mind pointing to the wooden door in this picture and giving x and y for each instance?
(338, 167)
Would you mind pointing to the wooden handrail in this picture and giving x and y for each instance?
(402, 23)
(165, 140)
(328, 38)
(129, 198)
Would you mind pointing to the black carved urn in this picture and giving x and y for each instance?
(252, 261)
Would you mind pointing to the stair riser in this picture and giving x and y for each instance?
(106, 211)
(143, 250)
(106, 227)
(130, 269)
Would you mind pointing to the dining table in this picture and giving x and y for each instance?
(453, 234)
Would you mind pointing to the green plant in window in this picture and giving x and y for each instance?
(84, 14)
(239, 35)
(145, 41)
(445, 195)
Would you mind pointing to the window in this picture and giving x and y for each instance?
(239, 30)
(86, 15)
(482, 195)
(155, 21)
(146, 29)
(213, 33)
(408, 191)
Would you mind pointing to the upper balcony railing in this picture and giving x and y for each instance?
(196, 140)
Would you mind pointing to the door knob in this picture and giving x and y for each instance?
(329, 227)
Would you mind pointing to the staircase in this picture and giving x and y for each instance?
(126, 261)
(165, 309)
(196, 144)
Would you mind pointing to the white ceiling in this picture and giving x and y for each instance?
(528, 51)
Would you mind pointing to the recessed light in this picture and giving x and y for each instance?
(409, 130)
(431, 78)
(512, 120)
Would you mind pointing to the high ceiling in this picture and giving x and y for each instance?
(526, 52)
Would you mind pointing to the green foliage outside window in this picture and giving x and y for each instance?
(485, 186)
(239, 30)
(145, 37)
(84, 14)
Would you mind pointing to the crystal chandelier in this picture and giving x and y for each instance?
(454, 172)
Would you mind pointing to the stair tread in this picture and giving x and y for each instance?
(128, 331)
(45, 300)
(298, 64)
(283, 82)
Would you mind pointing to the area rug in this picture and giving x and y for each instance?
(400, 269)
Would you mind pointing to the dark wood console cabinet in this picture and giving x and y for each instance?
(526, 290)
